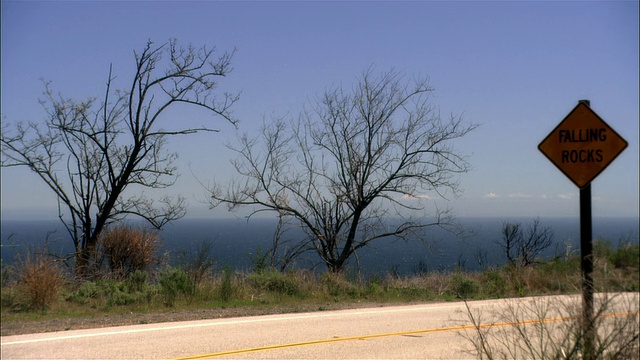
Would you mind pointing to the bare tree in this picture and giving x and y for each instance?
(524, 248)
(511, 237)
(90, 152)
(345, 167)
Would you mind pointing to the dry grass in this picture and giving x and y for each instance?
(41, 279)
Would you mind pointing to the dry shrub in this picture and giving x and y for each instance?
(426, 281)
(129, 249)
(42, 280)
(439, 283)
(551, 328)
(306, 279)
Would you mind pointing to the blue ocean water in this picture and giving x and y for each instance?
(236, 241)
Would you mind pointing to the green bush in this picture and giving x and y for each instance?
(560, 266)
(626, 256)
(113, 293)
(16, 298)
(494, 284)
(136, 282)
(337, 285)
(118, 294)
(174, 282)
(275, 281)
(226, 287)
(463, 287)
(602, 248)
(86, 291)
(375, 286)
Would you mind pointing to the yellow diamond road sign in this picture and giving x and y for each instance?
(582, 145)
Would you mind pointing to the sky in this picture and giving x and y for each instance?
(516, 68)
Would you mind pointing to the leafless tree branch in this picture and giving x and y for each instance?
(90, 152)
(341, 168)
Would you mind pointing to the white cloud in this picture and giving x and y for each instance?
(520, 196)
(491, 195)
(567, 196)
(416, 197)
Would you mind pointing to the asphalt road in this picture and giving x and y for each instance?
(429, 331)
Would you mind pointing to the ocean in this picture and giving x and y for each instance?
(235, 242)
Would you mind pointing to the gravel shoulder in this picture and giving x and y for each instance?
(8, 328)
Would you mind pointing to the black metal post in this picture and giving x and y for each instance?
(586, 266)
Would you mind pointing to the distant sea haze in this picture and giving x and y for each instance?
(237, 241)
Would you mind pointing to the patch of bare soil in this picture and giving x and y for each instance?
(8, 328)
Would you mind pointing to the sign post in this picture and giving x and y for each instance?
(582, 146)
(586, 268)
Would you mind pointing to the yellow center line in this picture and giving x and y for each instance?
(402, 333)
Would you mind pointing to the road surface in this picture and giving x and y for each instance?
(429, 331)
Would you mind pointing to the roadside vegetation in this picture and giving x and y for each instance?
(38, 287)
(544, 328)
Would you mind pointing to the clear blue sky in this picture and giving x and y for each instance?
(516, 68)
